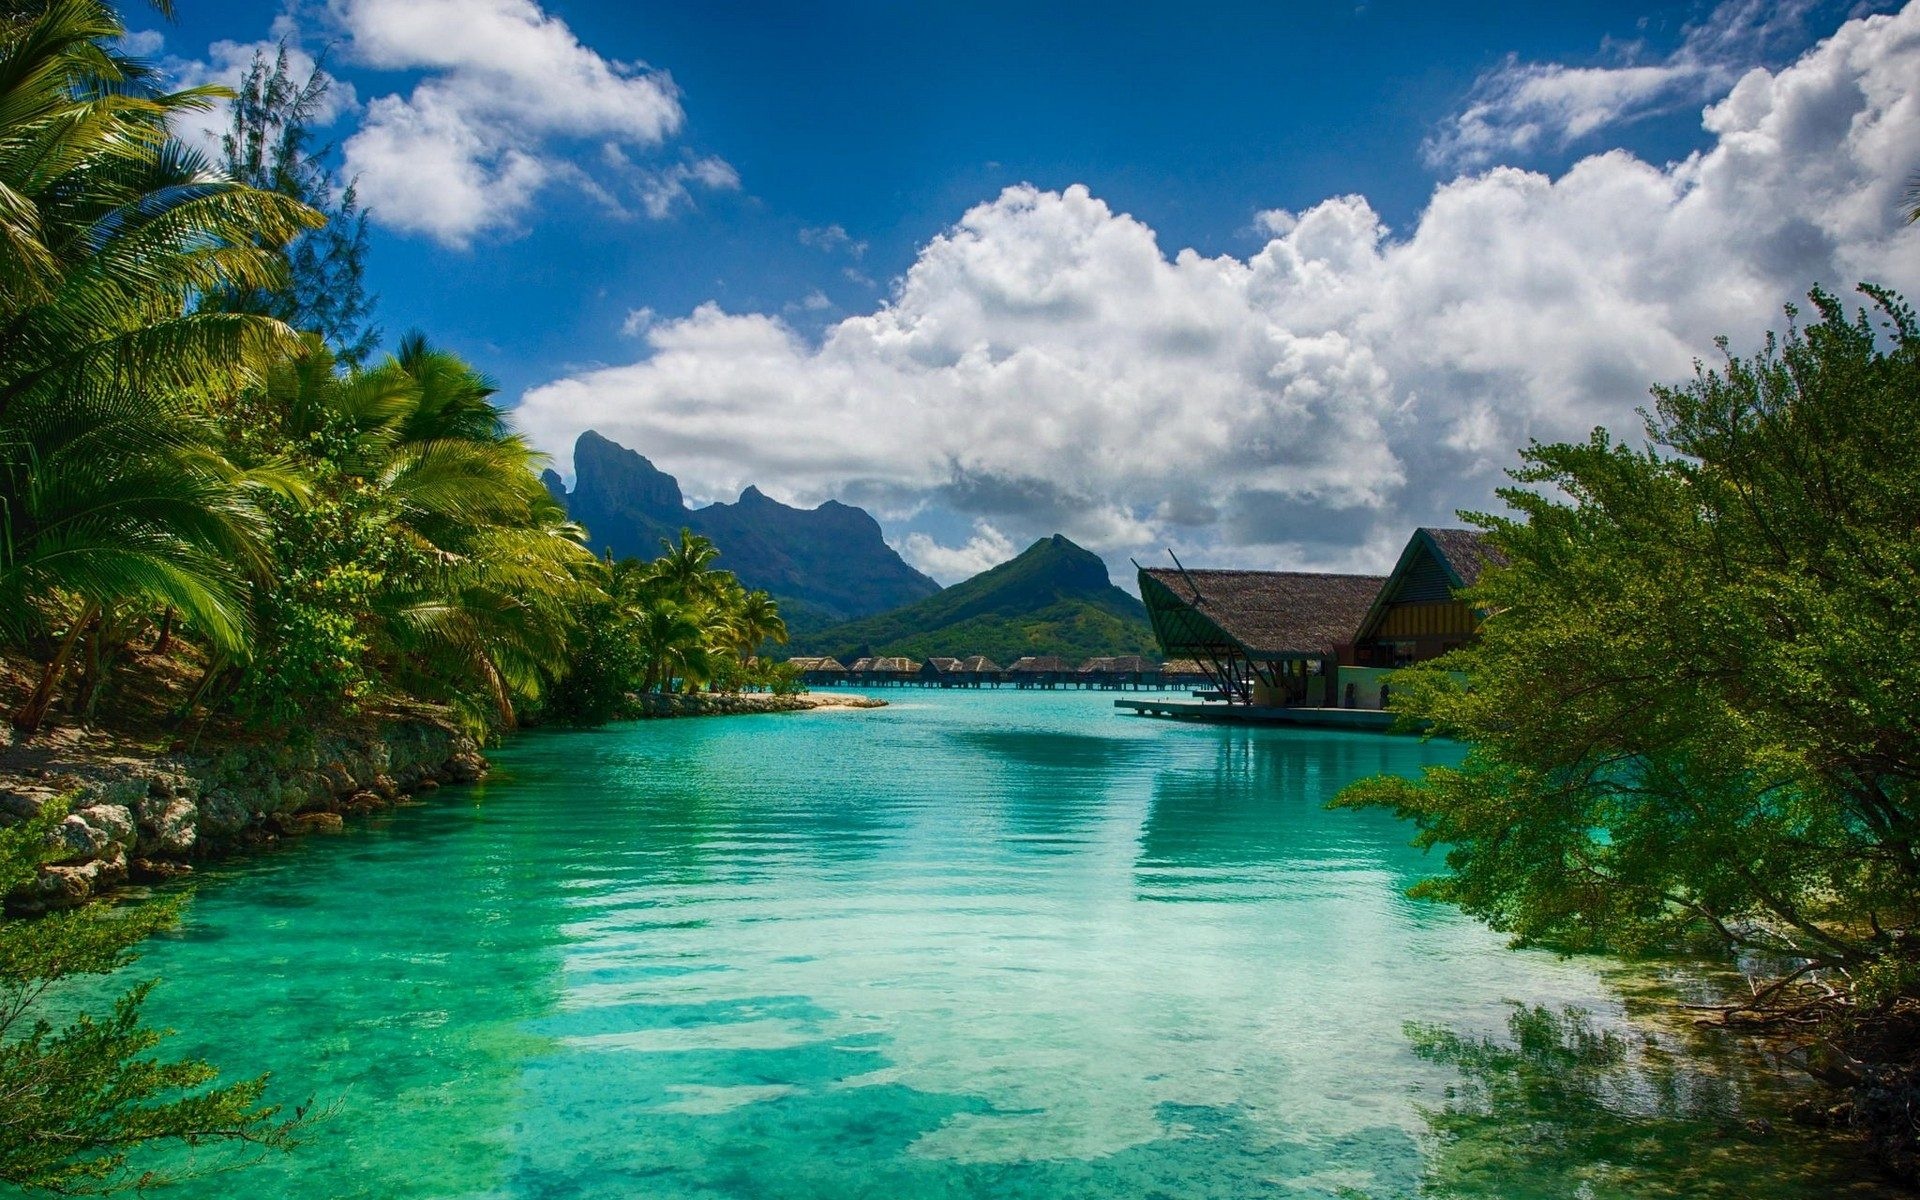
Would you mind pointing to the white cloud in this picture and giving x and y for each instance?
(638, 321)
(143, 43)
(467, 150)
(1044, 366)
(988, 547)
(833, 239)
(1522, 106)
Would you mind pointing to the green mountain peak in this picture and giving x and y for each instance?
(1055, 597)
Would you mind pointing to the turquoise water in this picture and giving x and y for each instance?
(970, 945)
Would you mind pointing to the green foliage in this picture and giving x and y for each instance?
(269, 146)
(111, 488)
(1694, 710)
(1054, 598)
(673, 623)
(77, 1099)
(426, 559)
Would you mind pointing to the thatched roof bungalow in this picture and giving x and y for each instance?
(1256, 632)
(1418, 613)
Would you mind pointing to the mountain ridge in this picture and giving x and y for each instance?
(1055, 597)
(825, 565)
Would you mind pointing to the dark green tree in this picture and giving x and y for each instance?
(77, 1099)
(1694, 710)
(270, 145)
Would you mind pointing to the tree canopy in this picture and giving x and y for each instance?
(1694, 707)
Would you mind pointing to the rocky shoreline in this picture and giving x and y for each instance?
(136, 816)
(705, 704)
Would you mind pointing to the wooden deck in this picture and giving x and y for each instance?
(1244, 714)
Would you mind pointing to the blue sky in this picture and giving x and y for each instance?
(559, 189)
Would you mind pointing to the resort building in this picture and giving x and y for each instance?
(1418, 614)
(1279, 639)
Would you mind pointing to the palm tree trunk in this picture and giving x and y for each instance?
(162, 643)
(27, 721)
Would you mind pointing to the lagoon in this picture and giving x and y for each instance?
(986, 944)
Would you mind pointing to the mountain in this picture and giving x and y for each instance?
(1055, 598)
(823, 565)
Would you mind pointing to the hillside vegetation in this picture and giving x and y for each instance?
(1055, 598)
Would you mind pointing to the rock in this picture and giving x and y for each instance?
(75, 841)
(69, 886)
(315, 822)
(466, 766)
(172, 828)
(149, 870)
(361, 803)
(1758, 1126)
(223, 814)
(113, 821)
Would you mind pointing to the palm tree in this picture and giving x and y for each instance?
(476, 607)
(757, 621)
(674, 644)
(111, 485)
(684, 569)
(1911, 207)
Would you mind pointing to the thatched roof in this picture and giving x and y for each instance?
(1126, 664)
(1435, 565)
(979, 664)
(1466, 553)
(817, 664)
(1040, 664)
(937, 664)
(1182, 666)
(1263, 614)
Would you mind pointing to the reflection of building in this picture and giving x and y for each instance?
(1274, 639)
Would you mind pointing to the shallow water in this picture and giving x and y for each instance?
(971, 945)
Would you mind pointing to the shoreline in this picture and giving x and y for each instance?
(656, 706)
(136, 815)
(139, 815)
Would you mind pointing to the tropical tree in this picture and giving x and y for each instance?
(77, 1098)
(430, 560)
(270, 146)
(1695, 710)
(111, 486)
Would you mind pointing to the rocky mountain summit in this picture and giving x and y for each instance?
(824, 565)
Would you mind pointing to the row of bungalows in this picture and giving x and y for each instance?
(1269, 639)
(1032, 671)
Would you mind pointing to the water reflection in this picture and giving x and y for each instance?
(1563, 1105)
(971, 946)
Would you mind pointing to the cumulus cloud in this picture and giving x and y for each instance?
(1521, 106)
(988, 547)
(1045, 365)
(467, 150)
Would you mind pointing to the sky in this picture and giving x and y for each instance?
(1268, 284)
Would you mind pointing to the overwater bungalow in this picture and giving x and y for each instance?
(980, 671)
(817, 671)
(1116, 673)
(1264, 638)
(940, 672)
(1272, 640)
(1418, 614)
(1041, 671)
(884, 671)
